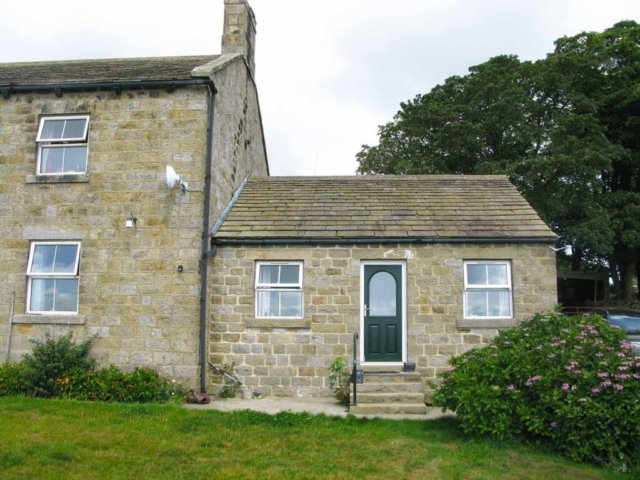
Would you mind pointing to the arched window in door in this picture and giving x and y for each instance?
(382, 295)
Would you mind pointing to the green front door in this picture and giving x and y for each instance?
(383, 313)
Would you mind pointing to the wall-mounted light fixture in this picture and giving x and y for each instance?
(567, 250)
(131, 221)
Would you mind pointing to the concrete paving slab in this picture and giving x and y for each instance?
(314, 406)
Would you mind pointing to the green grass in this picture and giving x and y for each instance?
(51, 439)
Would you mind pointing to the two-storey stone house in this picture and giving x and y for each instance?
(92, 240)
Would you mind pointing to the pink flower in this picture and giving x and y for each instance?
(621, 355)
(511, 387)
(494, 346)
(451, 369)
(554, 424)
(603, 374)
(578, 347)
(595, 390)
(618, 387)
(606, 383)
(599, 355)
(565, 386)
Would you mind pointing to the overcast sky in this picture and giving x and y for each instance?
(328, 72)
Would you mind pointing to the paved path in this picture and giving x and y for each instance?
(327, 406)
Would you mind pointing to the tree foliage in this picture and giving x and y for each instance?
(566, 129)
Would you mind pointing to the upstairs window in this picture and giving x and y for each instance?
(52, 273)
(62, 145)
(487, 289)
(279, 290)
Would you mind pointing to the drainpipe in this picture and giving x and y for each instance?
(204, 270)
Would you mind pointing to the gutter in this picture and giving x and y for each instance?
(325, 240)
(204, 271)
(7, 90)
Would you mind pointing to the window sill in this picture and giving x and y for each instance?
(50, 319)
(278, 323)
(64, 178)
(486, 323)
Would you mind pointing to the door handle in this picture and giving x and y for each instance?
(366, 310)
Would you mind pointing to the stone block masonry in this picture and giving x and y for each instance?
(141, 310)
(281, 357)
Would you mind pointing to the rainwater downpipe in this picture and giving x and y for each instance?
(204, 270)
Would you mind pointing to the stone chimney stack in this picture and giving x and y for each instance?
(239, 32)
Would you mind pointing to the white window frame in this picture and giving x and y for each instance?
(503, 287)
(62, 275)
(279, 287)
(59, 142)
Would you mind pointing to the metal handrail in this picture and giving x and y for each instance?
(354, 373)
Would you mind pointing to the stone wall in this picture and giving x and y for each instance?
(290, 357)
(133, 299)
(239, 148)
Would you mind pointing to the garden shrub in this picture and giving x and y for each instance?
(50, 360)
(340, 380)
(12, 380)
(572, 382)
(142, 385)
(60, 368)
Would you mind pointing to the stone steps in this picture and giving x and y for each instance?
(388, 392)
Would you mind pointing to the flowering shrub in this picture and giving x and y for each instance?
(573, 382)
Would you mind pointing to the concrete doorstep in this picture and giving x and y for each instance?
(314, 406)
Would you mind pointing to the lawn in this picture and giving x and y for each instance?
(51, 439)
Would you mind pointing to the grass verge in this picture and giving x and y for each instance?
(57, 439)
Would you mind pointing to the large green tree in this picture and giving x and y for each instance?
(565, 129)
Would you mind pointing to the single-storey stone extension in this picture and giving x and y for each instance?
(421, 267)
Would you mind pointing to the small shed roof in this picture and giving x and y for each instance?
(99, 71)
(435, 207)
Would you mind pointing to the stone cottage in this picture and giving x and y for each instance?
(420, 267)
(92, 241)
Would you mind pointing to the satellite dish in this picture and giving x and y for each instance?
(173, 178)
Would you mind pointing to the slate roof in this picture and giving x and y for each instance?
(402, 207)
(103, 70)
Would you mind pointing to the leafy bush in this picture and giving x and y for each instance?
(51, 359)
(340, 380)
(572, 382)
(110, 384)
(12, 379)
(59, 368)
